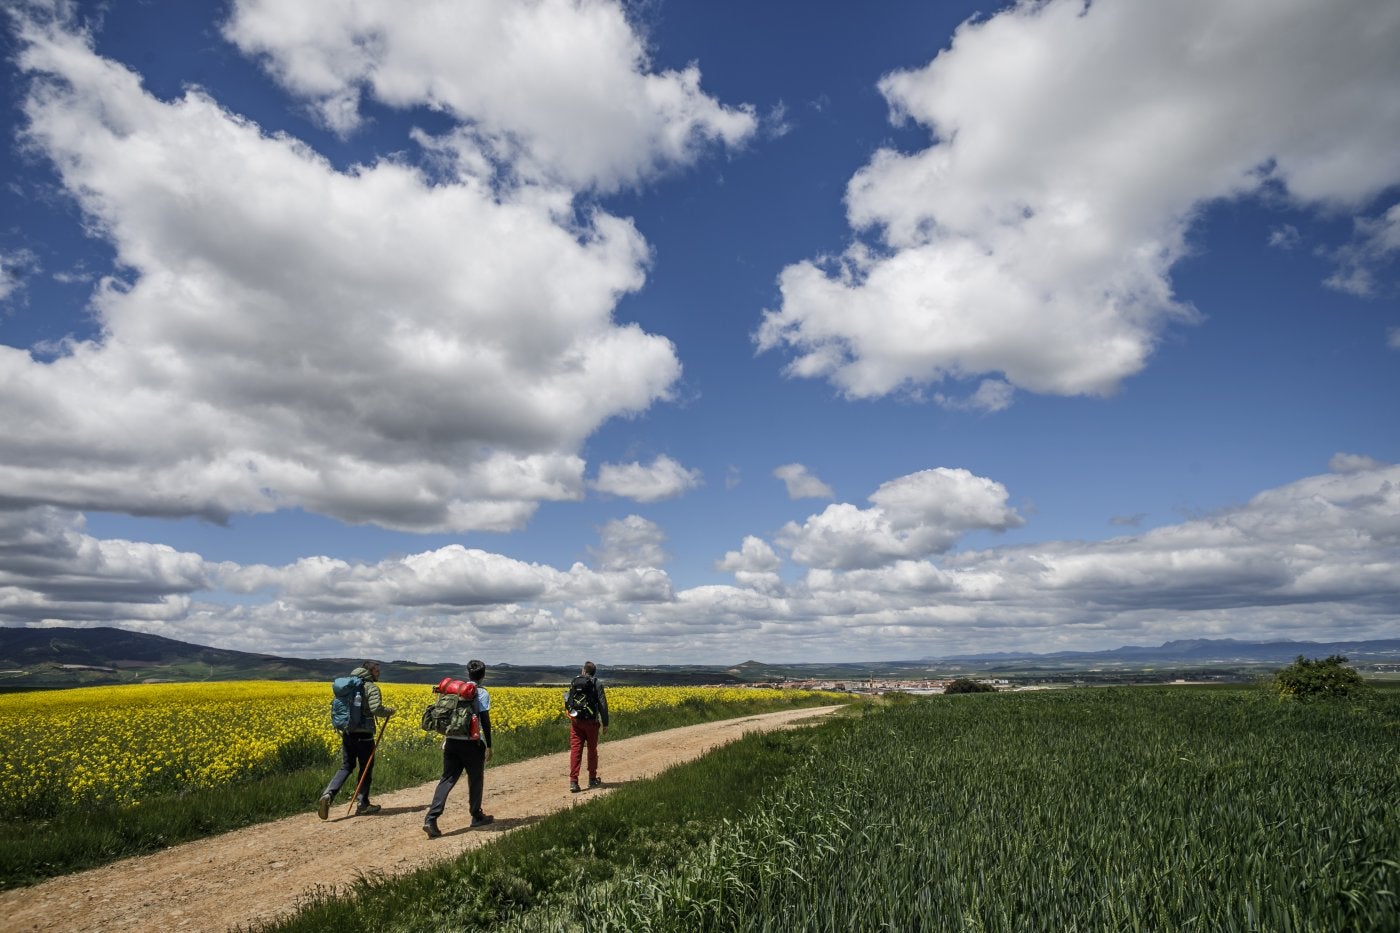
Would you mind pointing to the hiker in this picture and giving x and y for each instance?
(357, 742)
(587, 705)
(463, 753)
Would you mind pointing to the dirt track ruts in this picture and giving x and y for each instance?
(260, 873)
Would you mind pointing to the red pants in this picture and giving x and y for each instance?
(583, 732)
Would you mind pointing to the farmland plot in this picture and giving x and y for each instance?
(95, 746)
(1087, 810)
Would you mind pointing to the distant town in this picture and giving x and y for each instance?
(878, 686)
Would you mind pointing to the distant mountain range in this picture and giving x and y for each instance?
(1197, 650)
(42, 658)
(35, 658)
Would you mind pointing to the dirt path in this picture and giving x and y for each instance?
(259, 873)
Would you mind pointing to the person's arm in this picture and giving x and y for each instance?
(375, 703)
(485, 717)
(603, 705)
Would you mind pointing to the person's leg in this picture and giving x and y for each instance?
(474, 758)
(576, 743)
(347, 765)
(452, 765)
(592, 735)
(364, 752)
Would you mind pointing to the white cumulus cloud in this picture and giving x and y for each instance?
(52, 570)
(556, 90)
(1324, 545)
(1377, 243)
(14, 266)
(1073, 144)
(912, 516)
(1353, 463)
(367, 343)
(663, 478)
(801, 484)
(631, 542)
(754, 565)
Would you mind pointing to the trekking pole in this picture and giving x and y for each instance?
(365, 770)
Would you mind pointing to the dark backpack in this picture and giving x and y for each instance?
(348, 704)
(454, 710)
(582, 697)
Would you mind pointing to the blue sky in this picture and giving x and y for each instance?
(696, 332)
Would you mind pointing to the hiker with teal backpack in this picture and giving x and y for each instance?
(355, 706)
(466, 745)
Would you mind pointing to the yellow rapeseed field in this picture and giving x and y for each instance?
(99, 745)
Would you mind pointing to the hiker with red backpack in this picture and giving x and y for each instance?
(587, 705)
(466, 749)
(356, 706)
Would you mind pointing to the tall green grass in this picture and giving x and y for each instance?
(1167, 809)
(76, 839)
(1161, 810)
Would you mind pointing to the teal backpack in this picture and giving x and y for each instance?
(347, 706)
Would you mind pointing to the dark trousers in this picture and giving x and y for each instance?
(356, 748)
(583, 732)
(460, 755)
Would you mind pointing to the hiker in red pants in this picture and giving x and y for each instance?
(587, 705)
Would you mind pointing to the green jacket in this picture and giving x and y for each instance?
(374, 707)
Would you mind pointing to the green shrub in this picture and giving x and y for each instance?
(1307, 679)
(967, 685)
(303, 751)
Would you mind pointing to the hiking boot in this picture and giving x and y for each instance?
(574, 788)
(431, 828)
(595, 781)
(323, 807)
(365, 809)
(481, 819)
